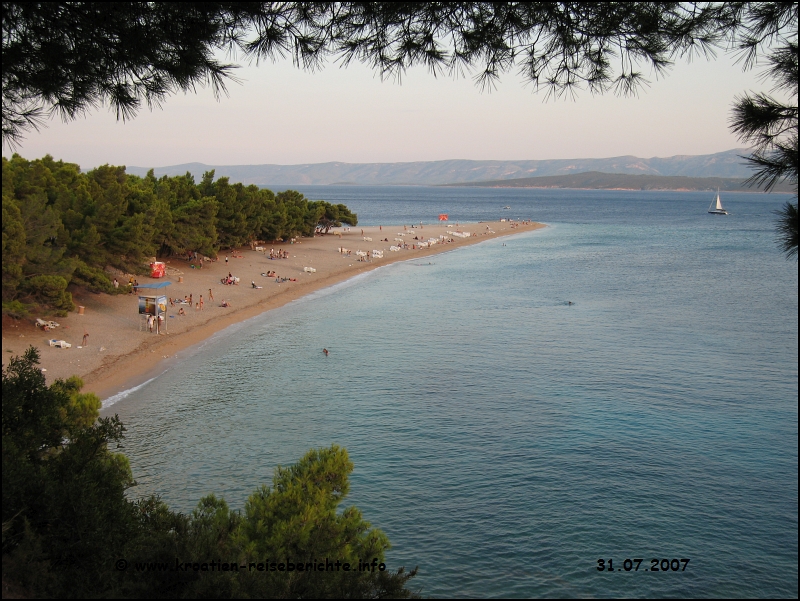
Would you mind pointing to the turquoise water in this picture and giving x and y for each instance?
(504, 439)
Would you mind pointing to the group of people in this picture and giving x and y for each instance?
(151, 322)
(273, 274)
(230, 280)
(281, 254)
(188, 299)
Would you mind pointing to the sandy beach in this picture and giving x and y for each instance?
(120, 350)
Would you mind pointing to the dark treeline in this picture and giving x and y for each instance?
(62, 227)
(72, 528)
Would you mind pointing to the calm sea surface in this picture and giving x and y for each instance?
(503, 439)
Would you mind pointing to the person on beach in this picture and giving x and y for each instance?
(85, 338)
(197, 306)
(226, 259)
(116, 283)
(181, 311)
(201, 302)
(150, 322)
(210, 296)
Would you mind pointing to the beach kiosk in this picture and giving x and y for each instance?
(154, 304)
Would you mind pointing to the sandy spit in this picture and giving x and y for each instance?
(121, 353)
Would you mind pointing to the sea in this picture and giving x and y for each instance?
(618, 391)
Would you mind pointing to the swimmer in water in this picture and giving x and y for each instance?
(325, 351)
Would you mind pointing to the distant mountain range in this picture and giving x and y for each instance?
(726, 164)
(594, 180)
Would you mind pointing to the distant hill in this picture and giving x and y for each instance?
(431, 173)
(594, 180)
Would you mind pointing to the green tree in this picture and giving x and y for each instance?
(331, 215)
(297, 521)
(45, 270)
(63, 490)
(767, 123)
(788, 228)
(13, 247)
(142, 52)
(66, 519)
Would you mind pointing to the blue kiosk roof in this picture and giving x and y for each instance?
(156, 285)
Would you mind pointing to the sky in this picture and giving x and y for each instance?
(280, 114)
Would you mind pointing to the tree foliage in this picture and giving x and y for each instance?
(789, 229)
(767, 123)
(139, 53)
(67, 522)
(61, 226)
(69, 57)
(63, 490)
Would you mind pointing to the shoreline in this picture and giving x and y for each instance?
(131, 357)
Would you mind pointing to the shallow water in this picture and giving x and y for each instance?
(504, 439)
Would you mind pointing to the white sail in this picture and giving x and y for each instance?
(716, 206)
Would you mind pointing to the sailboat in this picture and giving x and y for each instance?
(716, 206)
